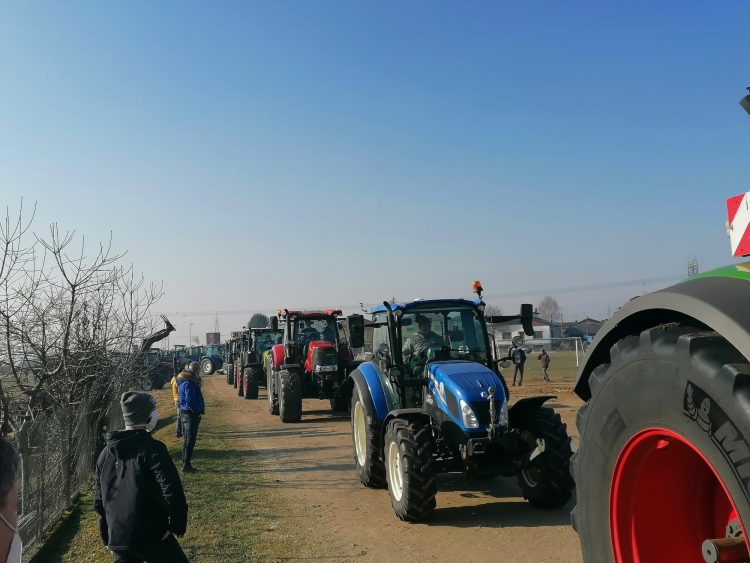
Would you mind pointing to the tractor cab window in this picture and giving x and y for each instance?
(266, 340)
(308, 330)
(452, 333)
(381, 347)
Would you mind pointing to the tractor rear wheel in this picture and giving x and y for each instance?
(229, 371)
(664, 438)
(366, 437)
(410, 468)
(546, 482)
(273, 398)
(207, 366)
(251, 383)
(290, 396)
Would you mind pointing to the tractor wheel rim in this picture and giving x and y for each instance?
(360, 433)
(661, 478)
(395, 482)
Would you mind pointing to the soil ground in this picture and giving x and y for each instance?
(311, 471)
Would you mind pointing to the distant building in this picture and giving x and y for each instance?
(584, 328)
(213, 338)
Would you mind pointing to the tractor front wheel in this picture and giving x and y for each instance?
(273, 398)
(664, 439)
(251, 383)
(229, 371)
(410, 468)
(546, 482)
(207, 366)
(290, 396)
(366, 437)
(238, 377)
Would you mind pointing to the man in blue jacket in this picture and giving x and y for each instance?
(191, 410)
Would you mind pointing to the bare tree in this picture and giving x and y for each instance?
(493, 311)
(548, 308)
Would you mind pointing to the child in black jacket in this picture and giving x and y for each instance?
(138, 492)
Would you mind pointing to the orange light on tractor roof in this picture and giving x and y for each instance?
(477, 286)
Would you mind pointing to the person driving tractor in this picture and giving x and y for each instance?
(423, 339)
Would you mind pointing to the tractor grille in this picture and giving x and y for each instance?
(482, 410)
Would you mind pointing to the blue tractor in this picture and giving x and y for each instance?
(432, 399)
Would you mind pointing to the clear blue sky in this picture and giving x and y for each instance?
(265, 154)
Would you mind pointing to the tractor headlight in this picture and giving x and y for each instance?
(502, 416)
(468, 417)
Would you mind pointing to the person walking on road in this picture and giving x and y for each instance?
(138, 494)
(10, 541)
(176, 398)
(518, 354)
(191, 409)
(544, 360)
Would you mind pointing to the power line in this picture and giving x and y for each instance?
(522, 293)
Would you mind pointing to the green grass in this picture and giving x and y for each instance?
(562, 367)
(232, 516)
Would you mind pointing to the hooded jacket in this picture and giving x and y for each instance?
(191, 396)
(138, 492)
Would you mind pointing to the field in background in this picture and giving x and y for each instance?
(562, 368)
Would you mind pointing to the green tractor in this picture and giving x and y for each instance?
(250, 368)
(232, 350)
(663, 468)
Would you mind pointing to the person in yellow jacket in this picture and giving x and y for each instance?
(176, 397)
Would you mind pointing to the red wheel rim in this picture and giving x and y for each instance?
(666, 499)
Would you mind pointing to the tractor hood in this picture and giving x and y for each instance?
(466, 380)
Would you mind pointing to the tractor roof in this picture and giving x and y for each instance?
(266, 329)
(310, 314)
(428, 304)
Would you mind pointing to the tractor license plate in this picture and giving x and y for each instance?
(327, 369)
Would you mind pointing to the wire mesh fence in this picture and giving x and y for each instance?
(58, 454)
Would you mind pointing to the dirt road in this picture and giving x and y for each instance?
(312, 476)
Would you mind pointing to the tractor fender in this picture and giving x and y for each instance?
(277, 355)
(366, 377)
(719, 301)
(518, 411)
(401, 413)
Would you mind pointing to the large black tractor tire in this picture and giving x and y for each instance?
(234, 375)
(366, 440)
(251, 383)
(240, 386)
(546, 482)
(290, 396)
(670, 401)
(410, 468)
(229, 371)
(207, 366)
(146, 383)
(273, 398)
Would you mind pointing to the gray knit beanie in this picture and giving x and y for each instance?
(136, 407)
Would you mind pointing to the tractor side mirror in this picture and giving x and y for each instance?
(356, 331)
(274, 321)
(527, 318)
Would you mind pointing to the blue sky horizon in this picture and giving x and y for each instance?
(256, 155)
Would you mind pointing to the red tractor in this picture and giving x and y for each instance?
(312, 362)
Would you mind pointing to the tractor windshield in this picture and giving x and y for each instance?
(266, 340)
(457, 333)
(323, 328)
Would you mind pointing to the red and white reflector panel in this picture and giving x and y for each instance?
(738, 224)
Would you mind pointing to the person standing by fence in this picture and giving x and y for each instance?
(10, 541)
(138, 493)
(544, 360)
(192, 408)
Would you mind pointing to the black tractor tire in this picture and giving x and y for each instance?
(159, 382)
(234, 375)
(415, 468)
(240, 386)
(546, 482)
(146, 383)
(689, 381)
(290, 396)
(251, 383)
(273, 398)
(207, 366)
(229, 371)
(367, 459)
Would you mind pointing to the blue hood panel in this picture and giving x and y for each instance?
(466, 380)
